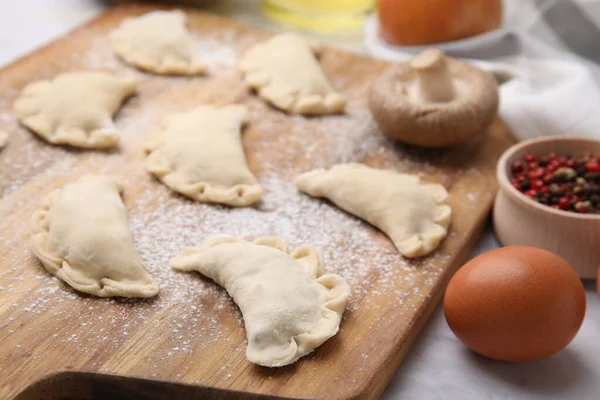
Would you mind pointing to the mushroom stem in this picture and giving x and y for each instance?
(435, 80)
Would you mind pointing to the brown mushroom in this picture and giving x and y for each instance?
(434, 101)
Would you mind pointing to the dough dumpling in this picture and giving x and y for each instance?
(290, 307)
(199, 154)
(157, 42)
(413, 214)
(286, 73)
(75, 108)
(81, 235)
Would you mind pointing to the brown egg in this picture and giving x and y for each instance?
(515, 304)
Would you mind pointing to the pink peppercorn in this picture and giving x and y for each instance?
(530, 193)
(560, 181)
(563, 203)
(537, 184)
(517, 166)
(592, 166)
(553, 166)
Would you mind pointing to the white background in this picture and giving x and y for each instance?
(438, 366)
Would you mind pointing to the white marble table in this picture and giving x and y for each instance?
(438, 366)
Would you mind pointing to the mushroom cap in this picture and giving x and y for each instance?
(434, 124)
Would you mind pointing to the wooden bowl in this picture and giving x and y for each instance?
(519, 220)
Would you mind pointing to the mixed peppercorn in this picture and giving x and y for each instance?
(560, 181)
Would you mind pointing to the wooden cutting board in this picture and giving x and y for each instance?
(189, 342)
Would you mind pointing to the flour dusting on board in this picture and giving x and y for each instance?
(279, 147)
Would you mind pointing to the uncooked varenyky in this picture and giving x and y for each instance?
(413, 214)
(157, 42)
(80, 234)
(75, 108)
(286, 73)
(290, 306)
(199, 154)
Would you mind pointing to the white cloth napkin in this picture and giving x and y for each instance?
(551, 98)
(546, 88)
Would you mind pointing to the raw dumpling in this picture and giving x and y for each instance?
(290, 307)
(75, 108)
(199, 154)
(286, 73)
(157, 42)
(80, 234)
(414, 215)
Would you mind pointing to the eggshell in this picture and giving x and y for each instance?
(515, 304)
